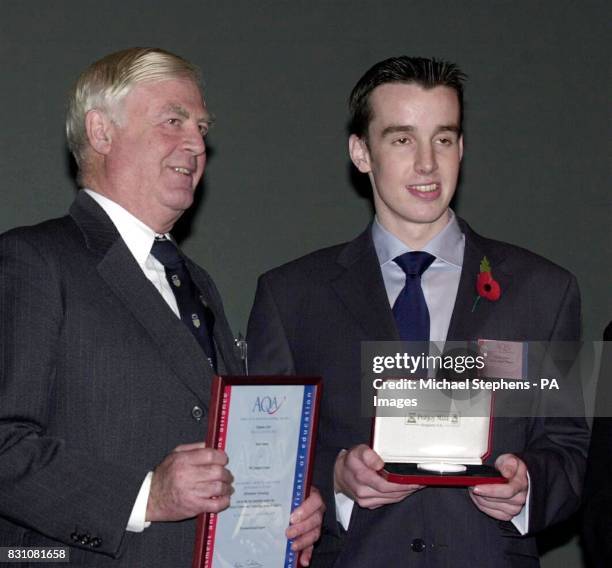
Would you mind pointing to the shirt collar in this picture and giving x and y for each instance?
(137, 236)
(448, 245)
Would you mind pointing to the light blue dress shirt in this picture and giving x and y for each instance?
(440, 281)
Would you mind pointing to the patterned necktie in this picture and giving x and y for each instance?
(195, 314)
(410, 310)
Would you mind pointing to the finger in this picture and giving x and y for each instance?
(190, 447)
(402, 488)
(495, 514)
(204, 456)
(311, 504)
(354, 460)
(205, 473)
(517, 501)
(519, 482)
(370, 458)
(310, 523)
(368, 476)
(215, 504)
(501, 513)
(306, 556)
(376, 503)
(381, 485)
(501, 491)
(392, 496)
(211, 489)
(369, 484)
(507, 465)
(377, 500)
(487, 493)
(305, 540)
(499, 509)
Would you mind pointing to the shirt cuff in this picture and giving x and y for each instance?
(137, 521)
(521, 521)
(344, 508)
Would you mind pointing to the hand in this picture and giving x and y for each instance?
(356, 475)
(305, 527)
(505, 500)
(189, 481)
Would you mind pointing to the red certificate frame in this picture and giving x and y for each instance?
(220, 429)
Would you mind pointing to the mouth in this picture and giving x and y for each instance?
(426, 191)
(182, 171)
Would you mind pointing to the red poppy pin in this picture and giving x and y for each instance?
(486, 286)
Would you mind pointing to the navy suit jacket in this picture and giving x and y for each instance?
(310, 317)
(597, 511)
(100, 381)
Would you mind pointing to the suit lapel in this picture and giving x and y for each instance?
(470, 321)
(173, 341)
(361, 288)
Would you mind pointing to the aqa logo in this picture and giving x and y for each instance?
(267, 404)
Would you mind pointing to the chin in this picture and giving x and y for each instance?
(180, 198)
(425, 217)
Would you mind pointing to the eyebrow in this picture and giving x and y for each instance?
(409, 128)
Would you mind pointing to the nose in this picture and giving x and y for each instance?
(425, 160)
(194, 142)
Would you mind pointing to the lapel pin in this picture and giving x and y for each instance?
(486, 286)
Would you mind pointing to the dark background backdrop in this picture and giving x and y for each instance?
(536, 170)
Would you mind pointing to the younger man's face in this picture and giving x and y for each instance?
(412, 155)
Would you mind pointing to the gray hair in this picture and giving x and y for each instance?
(107, 81)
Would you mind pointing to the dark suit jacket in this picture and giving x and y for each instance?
(100, 380)
(310, 317)
(597, 513)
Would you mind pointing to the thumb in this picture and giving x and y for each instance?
(507, 464)
(372, 460)
(190, 447)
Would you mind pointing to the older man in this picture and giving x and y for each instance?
(110, 337)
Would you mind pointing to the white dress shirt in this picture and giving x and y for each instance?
(139, 238)
(440, 283)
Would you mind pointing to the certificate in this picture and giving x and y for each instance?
(267, 427)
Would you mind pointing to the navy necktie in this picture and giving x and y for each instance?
(410, 310)
(195, 314)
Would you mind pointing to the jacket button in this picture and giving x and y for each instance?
(418, 545)
(85, 538)
(76, 537)
(197, 413)
(95, 542)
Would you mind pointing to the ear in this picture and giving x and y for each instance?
(360, 155)
(99, 131)
(460, 147)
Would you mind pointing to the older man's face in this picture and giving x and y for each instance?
(157, 154)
